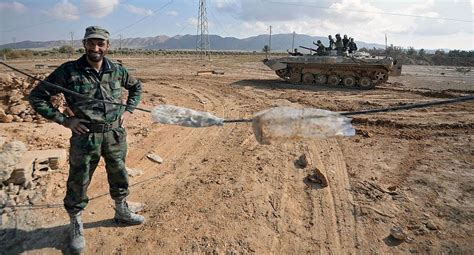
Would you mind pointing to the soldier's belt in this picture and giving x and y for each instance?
(102, 127)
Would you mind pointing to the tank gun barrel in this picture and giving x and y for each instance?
(307, 48)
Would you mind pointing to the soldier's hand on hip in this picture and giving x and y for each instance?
(75, 125)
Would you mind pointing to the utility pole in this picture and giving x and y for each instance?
(72, 44)
(120, 41)
(293, 42)
(270, 43)
(202, 36)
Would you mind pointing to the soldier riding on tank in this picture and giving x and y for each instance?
(352, 46)
(321, 50)
(295, 53)
(331, 43)
(339, 45)
(345, 42)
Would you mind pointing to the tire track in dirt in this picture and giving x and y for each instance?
(160, 133)
(326, 214)
(189, 141)
(192, 137)
(335, 210)
(409, 163)
(449, 93)
(214, 103)
(184, 97)
(279, 201)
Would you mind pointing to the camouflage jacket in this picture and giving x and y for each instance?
(80, 77)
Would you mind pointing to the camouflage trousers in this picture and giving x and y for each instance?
(84, 155)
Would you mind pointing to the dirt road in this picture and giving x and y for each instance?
(219, 191)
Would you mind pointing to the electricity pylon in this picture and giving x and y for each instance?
(202, 39)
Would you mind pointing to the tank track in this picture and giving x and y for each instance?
(359, 77)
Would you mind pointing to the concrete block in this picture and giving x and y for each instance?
(55, 157)
(37, 160)
(23, 171)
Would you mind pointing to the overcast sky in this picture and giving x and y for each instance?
(429, 24)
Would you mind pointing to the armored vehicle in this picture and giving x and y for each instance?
(360, 71)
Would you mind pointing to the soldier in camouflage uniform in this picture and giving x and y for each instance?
(339, 45)
(345, 42)
(295, 53)
(331, 43)
(352, 45)
(97, 128)
(321, 50)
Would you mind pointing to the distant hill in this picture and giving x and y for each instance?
(280, 42)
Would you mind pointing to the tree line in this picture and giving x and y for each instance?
(67, 50)
(421, 57)
(408, 55)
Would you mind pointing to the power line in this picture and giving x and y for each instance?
(186, 26)
(54, 19)
(142, 19)
(148, 23)
(364, 11)
(218, 23)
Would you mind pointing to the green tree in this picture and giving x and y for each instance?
(266, 49)
(411, 51)
(5, 51)
(422, 52)
(66, 49)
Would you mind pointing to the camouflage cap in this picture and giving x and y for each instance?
(96, 32)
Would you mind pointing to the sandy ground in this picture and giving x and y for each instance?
(218, 191)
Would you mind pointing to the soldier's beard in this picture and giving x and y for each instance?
(95, 56)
